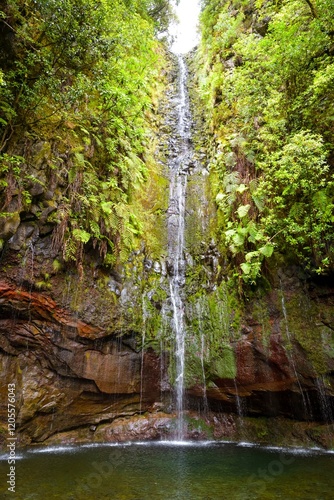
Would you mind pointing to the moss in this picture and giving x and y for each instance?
(150, 205)
(200, 425)
(213, 322)
(260, 313)
(322, 435)
(193, 364)
(300, 324)
(224, 365)
(214, 315)
(43, 285)
(57, 265)
(327, 336)
(199, 213)
(195, 278)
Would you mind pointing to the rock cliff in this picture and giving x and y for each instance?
(90, 348)
(75, 381)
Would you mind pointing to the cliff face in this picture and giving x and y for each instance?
(284, 358)
(67, 373)
(90, 348)
(77, 380)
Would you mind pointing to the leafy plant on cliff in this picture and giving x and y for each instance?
(299, 207)
(266, 74)
(80, 77)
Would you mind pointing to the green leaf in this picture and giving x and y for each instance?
(246, 267)
(80, 159)
(81, 235)
(267, 250)
(107, 207)
(230, 233)
(254, 233)
(238, 239)
(243, 210)
(250, 255)
(242, 188)
(259, 201)
(220, 197)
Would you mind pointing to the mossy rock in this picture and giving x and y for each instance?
(224, 366)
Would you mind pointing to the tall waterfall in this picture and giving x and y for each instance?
(179, 167)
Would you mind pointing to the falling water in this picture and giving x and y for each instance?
(179, 167)
(143, 339)
(238, 400)
(325, 407)
(205, 397)
(285, 315)
(199, 310)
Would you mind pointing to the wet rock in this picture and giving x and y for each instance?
(157, 267)
(48, 407)
(148, 264)
(170, 267)
(151, 426)
(163, 267)
(262, 27)
(48, 195)
(45, 214)
(113, 374)
(23, 233)
(114, 286)
(36, 188)
(39, 307)
(43, 247)
(46, 229)
(9, 225)
(71, 361)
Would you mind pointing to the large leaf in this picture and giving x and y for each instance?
(241, 188)
(246, 267)
(220, 197)
(267, 250)
(238, 239)
(250, 255)
(243, 211)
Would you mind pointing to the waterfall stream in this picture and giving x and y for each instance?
(307, 408)
(179, 167)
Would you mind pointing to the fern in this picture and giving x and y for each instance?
(81, 235)
(114, 222)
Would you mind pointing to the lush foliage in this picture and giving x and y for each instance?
(267, 78)
(77, 92)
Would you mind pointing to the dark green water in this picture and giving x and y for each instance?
(167, 471)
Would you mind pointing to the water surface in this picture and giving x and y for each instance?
(170, 471)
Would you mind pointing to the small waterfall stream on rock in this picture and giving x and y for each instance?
(143, 339)
(179, 167)
(307, 410)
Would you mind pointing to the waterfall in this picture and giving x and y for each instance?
(291, 357)
(325, 407)
(145, 314)
(179, 167)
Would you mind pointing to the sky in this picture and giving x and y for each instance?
(186, 32)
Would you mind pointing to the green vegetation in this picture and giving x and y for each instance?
(79, 85)
(80, 90)
(213, 324)
(266, 71)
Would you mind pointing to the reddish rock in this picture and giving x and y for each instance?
(40, 307)
(74, 381)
